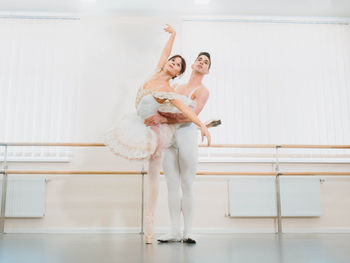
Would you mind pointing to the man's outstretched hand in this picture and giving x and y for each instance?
(155, 120)
(169, 115)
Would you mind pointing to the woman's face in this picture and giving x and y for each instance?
(174, 66)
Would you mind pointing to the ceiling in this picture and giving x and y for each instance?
(325, 8)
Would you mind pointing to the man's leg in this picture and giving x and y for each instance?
(188, 160)
(171, 172)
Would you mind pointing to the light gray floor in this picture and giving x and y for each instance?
(213, 248)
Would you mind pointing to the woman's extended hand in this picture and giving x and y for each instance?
(169, 29)
(205, 133)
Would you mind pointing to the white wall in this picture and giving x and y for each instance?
(274, 82)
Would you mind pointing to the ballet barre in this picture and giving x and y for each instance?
(256, 146)
(203, 173)
(277, 173)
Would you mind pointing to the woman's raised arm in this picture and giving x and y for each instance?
(168, 47)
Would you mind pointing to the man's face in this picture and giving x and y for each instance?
(201, 65)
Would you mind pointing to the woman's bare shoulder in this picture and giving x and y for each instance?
(180, 88)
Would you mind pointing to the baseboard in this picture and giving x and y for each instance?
(77, 230)
(323, 230)
(223, 230)
(161, 230)
(273, 160)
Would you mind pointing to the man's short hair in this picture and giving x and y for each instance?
(205, 54)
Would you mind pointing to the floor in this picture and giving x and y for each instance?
(213, 248)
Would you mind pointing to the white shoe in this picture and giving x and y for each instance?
(170, 238)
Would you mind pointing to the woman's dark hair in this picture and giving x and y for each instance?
(207, 55)
(183, 63)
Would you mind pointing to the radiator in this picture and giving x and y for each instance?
(25, 196)
(256, 196)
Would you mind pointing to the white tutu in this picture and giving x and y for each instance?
(132, 139)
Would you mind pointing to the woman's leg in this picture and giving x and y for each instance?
(154, 167)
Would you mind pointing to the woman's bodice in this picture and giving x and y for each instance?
(147, 105)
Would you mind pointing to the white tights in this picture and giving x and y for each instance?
(165, 135)
(180, 166)
(154, 168)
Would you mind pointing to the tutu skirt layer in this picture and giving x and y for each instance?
(130, 138)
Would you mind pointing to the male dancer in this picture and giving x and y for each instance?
(180, 159)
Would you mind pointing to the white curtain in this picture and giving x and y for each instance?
(278, 83)
(39, 65)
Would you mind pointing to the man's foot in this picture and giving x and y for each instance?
(189, 240)
(170, 238)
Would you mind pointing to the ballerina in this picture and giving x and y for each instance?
(132, 139)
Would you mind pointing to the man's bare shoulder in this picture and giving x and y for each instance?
(202, 91)
(201, 95)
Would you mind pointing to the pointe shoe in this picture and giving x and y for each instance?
(149, 235)
(149, 239)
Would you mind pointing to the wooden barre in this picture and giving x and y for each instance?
(82, 144)
(97, 144)
(73, 172)
(316, 173)
(310, 146)
(135, 172)
(272, 146)
(198, 173)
